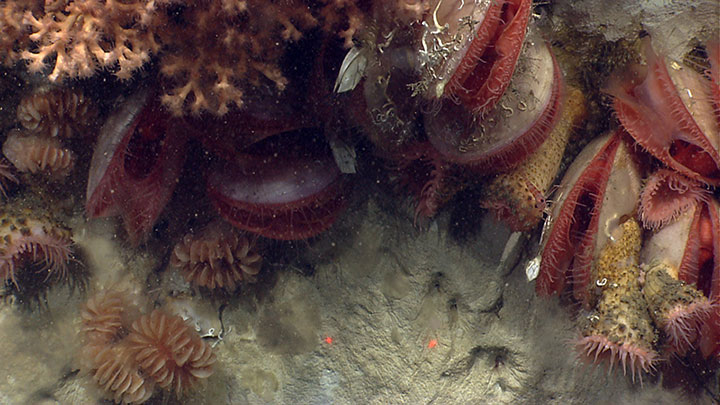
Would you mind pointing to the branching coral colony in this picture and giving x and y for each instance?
(448, 92)
(232, 46)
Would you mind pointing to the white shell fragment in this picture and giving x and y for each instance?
(532, 269)
(352, 70)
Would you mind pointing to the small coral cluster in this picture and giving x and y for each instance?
(129, 354)
(233, 44)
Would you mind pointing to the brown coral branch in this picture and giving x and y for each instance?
(84, 36)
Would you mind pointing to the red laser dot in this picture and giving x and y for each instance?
(432, 343)
(328, 340)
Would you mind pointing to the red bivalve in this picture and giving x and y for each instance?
(598, 192)
(519, 123)
(690, 248)
(668, 110)
(288, 195)
(469, 50)
(135, 165)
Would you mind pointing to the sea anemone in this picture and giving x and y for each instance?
(105, 317)
(169, 352)
(56, 112)
(128, 354)
(217, 257)
(34, 153)
(106, 320)
(668, 194)
(598, 349)
(29, 241)
(116, 372)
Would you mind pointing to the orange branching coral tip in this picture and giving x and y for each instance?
(13, 31)
(128, 354)
(209, 51)
(217, 257)
(230, 48)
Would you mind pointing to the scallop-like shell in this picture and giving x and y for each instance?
(598, 191)
(520, 122)
(668, 109)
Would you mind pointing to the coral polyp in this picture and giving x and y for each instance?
(38, 154)
(57, 112)
(116, 373)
